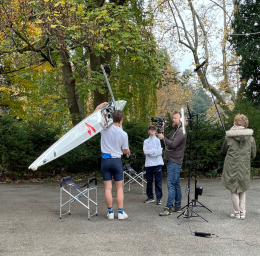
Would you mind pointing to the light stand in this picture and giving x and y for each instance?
(188, 212)
(198, 190)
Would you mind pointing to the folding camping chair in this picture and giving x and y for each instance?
(134, 176)
(67, 185)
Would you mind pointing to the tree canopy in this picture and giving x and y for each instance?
(76, 37)
(245, 40)
(201, 101)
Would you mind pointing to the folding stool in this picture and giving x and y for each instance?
(133, 176)
(67, 185)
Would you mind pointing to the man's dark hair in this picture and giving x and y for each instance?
(117, 116)
(177, 112)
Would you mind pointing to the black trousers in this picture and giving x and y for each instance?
(155, 171)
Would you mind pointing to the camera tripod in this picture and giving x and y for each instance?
(188, 209)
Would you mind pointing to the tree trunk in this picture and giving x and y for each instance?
(95, 62)
(69, 83)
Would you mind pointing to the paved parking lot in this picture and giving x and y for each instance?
(30, 224)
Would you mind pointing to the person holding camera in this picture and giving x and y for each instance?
(175, 143)
(153, 166)
(240, 149)
(114, 143)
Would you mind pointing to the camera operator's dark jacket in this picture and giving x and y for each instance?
(240, 149)
(175, 143)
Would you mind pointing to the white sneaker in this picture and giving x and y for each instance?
(122, 216)
(236, 216)
(242, 217)
(110, 215)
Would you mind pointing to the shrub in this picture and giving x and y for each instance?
(22, 142)
(207, 139)
(15, 145)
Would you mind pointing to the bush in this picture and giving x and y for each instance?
(41, 136)
(22, 142)
(87, 157)
(137, 133)
(15, 145)
(207, 139)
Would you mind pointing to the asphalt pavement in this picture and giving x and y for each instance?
(30, 224)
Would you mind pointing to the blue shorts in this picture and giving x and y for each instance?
(112, 167)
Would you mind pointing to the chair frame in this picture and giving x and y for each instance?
(73, 198)
(133, 176)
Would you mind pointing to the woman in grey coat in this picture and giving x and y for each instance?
(240, 149)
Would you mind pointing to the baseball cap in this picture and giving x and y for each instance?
(151, 127)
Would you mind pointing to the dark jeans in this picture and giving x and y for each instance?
(157, 171)
(173, 184)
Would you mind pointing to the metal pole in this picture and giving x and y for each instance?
(108, 85)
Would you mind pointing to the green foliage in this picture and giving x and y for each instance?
(247, 44)
(212, 173)
(201, 101)
(255, 172)
(85, 158)
(88, 33)
(22, 142)
(14, 146)
(46, 97)
(41, 135)
(10, 100)
(136, 62)
(137, 133)
(210, 137)
(206, 140)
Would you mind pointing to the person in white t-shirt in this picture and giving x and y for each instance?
(153, 166)
(114, 143)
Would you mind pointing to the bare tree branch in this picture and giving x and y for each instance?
(221, 8)
(189, 45)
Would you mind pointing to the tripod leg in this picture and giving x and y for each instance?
(184, 213)
(204, 206)
(199, 215)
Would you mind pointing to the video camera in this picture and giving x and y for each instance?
(158, 123)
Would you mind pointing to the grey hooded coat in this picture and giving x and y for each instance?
(240, 149)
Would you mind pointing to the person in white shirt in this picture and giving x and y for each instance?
(114, 143)
(153, 166)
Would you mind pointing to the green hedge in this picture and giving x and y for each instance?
(22, 142)
(14, 145)
(207, 139)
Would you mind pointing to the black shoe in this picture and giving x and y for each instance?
(158, 202)
(149, 200)
(176, 209)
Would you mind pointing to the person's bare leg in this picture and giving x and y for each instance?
(119, 194)
(108, 193)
